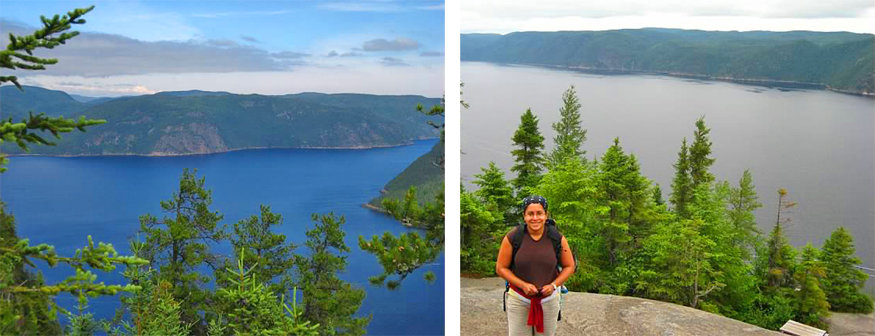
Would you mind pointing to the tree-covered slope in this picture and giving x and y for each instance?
(425, 174)
(836, 60)
(16, 104)
(191, 122)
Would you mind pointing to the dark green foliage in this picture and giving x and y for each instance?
(425, 173)
(480, 234)
(570, 136)
(742, 204)
(811, 305)
(699, 158)
(657, 195)
(496, 191)
(781, 259)
(33, 294)
(528, 158)
(402, 255)
(683, 267)
(167, 123)
(21, 314)
(837, 60)
(572, 189)
(179, 243)
(682, 185)
(843, 283)
(267, 256)
(328, 301)
(625, 194)
(253, 309)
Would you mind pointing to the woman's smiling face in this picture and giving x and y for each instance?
(535, 216)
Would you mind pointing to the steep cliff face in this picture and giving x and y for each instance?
(596, 314)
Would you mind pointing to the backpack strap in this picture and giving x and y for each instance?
(516, 239)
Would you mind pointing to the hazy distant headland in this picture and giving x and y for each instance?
(200, 122)
(837, 61)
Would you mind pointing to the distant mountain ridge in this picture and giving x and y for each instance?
(198, 122)
(837, 61)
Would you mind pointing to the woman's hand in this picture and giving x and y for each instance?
(547, 290)
(530, 289)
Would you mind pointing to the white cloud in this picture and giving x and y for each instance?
(373, 79)
(778, 15)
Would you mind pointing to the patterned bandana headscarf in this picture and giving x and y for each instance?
(534, 199)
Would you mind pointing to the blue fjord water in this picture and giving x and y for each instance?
(60, 201)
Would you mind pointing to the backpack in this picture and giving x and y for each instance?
(516, 240)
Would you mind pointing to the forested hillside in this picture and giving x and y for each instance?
(837, 60)
(192, 122)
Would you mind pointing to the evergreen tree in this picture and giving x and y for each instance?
(21, 314)
(843, 283)
(742, 203)
(682, 186)
(253, 309)
(781, 259)
(329, 301)
(625, 193)
(180, 243)
(683, 267)
(811, 304)
(267, 255)
(657, 195)
(570, 135)
(528, 157)
(573, 190)
(480, 235)
(153, 309)
(700, 151)
(496, 190)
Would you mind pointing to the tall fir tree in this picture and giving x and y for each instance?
(568, 142)
(625, 193)
(700, 159)
(179, 243)
(743, 201)
(843, 282)
(528, 156)
(682, 185)
(328, 300)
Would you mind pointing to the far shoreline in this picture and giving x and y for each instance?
(769, 83)
(220, 152)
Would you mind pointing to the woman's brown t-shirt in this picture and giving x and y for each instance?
(535, 261)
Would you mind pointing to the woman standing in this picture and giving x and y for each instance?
(529, 262)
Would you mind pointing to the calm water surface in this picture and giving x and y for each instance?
(60, 201)
(818, 145)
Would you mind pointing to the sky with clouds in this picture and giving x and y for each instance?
(504, 16)
(267, 47)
